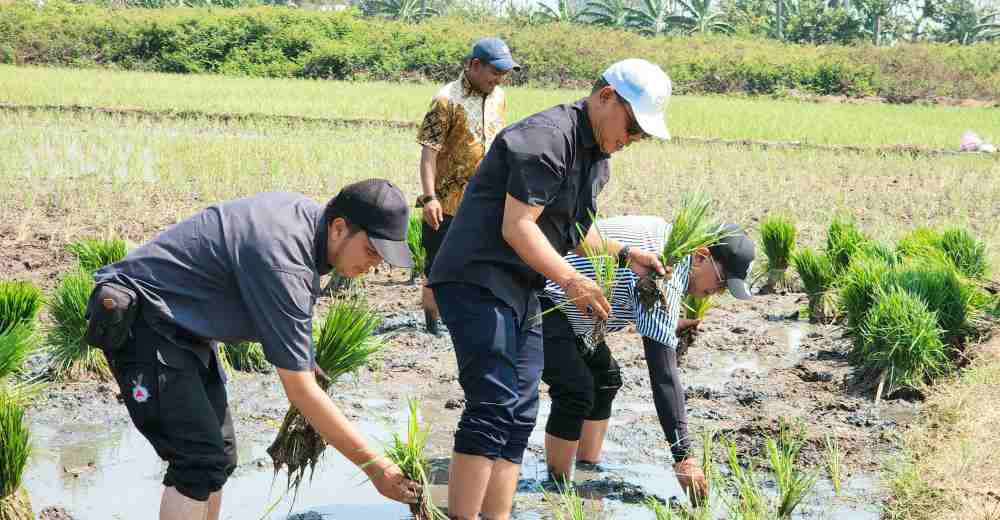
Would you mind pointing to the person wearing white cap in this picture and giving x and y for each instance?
(522, 211)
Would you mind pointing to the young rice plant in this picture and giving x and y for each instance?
(15, 448)
(94, 254)
(834, 462)
(408, 454)
(777, 236)
(783, 455)
(247, 356)
(414, 238)
(818, 277)
(19, 303)
(72, 357)
(843, 240)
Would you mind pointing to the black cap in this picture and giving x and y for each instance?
(378, 207)
(735, 253)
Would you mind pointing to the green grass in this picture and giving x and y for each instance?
(72, 357)
(94, 254)
(777, 239)
(19, 303)
(409, 454)
(688, 116)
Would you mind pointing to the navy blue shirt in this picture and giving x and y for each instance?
(550, 159)
(243, 270)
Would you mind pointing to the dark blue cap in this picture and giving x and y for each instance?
(495, 52)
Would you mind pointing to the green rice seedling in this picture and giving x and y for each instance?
(783, 454)
(605, 267)
(818, 277)
(15, 345)
(918, 242)
(690, 231)
(414, 238)
(834, 462)
(966, 252)
(750, 502)
(857, 286)
(901, 340)
(94, 254)
(695, 308)
(223, 352)
(663, 512)
(777, 237)
(72, 357)
(343, 345)
(408, 454)
(569, 505)
(957, 302)
(843, 239)
(247, 356)
(15, 448)
(19, 303)
(881, 251)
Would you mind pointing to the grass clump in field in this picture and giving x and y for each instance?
(72, 357)
(93, 254)
(19, 304)
(843, 240)
(15, 448)
(777, 237)
(414, 239)
(818, 276)
(247, 356)
(343, 345)
(408, 454)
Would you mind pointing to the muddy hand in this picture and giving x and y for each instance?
(390, 482)
(685, 324)
(643, 263)
(587, 297)
(692, 480)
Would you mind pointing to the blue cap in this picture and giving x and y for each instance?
(495, 52)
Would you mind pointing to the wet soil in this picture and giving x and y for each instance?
(751, 364)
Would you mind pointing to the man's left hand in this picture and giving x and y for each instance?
(644, 263)
(692, 480)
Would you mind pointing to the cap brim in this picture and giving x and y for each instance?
(395, 253)
(505, 64)
(739, 289)
(653, 124)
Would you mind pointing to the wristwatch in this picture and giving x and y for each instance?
(623, 255)
(424, 199)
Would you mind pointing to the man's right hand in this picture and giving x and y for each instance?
(587, 296)
(433, 214)
(692, 480)
(390, 482)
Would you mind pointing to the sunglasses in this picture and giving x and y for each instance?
(633, 127)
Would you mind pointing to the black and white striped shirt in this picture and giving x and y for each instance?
(658, 324)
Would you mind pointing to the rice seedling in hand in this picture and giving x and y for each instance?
(834, 462)
(408, 454)
(72, 357)
(690, 231)
(15, 448)
(247, 356)
(343, 344)
(901, 340)
(783, 454)
(19, 303)
(605, 267)
(843, 240)
(818, 277)
(94, 254)
(695, 308)
(414, 238)
(777, 236)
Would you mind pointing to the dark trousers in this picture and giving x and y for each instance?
(499, 366)
(431, 239)
(180, 406)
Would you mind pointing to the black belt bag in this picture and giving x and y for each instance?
(111, 311)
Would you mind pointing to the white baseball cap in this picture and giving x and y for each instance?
(646, 88)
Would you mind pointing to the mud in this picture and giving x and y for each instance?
(748, 366)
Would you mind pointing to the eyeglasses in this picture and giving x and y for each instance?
(633, 127)
(718, 274)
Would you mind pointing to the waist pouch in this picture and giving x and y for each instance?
(111, 311)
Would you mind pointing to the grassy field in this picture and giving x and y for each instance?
(689, 116)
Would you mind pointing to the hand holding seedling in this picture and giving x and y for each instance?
(587, 296)
(433, 214)
(685, 324)
(390, 482)
(692, 480)
(644, 263)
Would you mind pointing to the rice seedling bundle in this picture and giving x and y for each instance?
(343, 344)
(777, 237)
(783, 455)
(408, 454)
(691, 230)
(414, 238)
(695, 308)
(818, 277)
(15, 345)
(956, 302)
(843, 240)
(901, 339)
(72, 357)
(966, 252)
(605, 267)
(94, 254)
(857, 288)
(19, 303)
(15, 448)
(247, 356)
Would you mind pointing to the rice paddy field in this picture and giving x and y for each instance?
(163, 152)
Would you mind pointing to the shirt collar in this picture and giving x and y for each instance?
(587, 138)
(322, 241)
(468, 90)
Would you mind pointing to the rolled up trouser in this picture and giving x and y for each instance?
(499, 368)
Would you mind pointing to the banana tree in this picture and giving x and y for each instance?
(700, 18)
(563, 12)
(651, 18)
(402, 10)
(610, 13)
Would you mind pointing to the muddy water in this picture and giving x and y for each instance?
(108, 471)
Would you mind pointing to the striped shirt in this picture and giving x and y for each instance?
(659, 323)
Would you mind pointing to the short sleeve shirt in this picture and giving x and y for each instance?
(243, 270)
(550, 159)
(460, 125)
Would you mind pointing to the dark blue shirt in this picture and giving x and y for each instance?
(550, 159)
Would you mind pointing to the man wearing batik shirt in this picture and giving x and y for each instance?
(464, 117)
